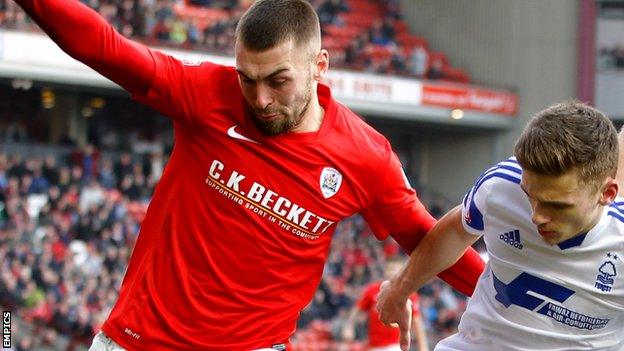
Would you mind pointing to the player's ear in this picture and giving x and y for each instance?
(609, 191)
(321, 65)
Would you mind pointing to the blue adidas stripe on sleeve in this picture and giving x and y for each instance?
(474, 216)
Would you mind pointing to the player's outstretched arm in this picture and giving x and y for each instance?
(84, 35)
(464, 274)
(440, 248)
(398, 211)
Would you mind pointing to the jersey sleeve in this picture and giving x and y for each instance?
(474, 208)
(182, 89)
(84, 35)
(176, 88)
(475, 203)
(396, 209)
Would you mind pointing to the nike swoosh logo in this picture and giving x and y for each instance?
(234, 134)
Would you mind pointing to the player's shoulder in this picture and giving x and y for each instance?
(217, 83)
(208, 70)
(495, 192)
(615, 212)
(204, 76)
(351, 129)
(219, 74)
(504, 175)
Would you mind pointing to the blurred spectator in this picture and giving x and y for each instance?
(398, 64)
(329, 11)
(611, 58)
(123, 166)
(380, 336)
(107, 176)
(378, 36)
(392, 8)
(50, 171)
(436, 70)
(418, 61)
(387, 28)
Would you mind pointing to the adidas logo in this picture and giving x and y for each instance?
(512, 238)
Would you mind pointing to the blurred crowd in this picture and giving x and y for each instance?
(67, 228)
(68, 223)
(364, 35)
(611, 58)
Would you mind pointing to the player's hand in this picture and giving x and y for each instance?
(395, 310)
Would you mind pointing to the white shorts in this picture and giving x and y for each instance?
(101, 342)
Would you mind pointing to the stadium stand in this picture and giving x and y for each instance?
(362, 35)
(67, 232)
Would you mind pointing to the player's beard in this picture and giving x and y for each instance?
(285, 121)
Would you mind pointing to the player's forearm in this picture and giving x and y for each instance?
(438, 250)
(464, 274)
(85, 36)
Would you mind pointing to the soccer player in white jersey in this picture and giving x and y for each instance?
(554, 231)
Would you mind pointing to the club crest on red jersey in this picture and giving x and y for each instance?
(330, 182)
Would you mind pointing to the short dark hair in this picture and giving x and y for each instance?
(268, 23)
(569, 135)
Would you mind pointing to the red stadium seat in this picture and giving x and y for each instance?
(411, 41)
(357, 20)
(401, 27)
(205, 16)
(456, 75)
(364, 7)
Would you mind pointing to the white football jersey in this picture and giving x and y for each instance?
(535, 296)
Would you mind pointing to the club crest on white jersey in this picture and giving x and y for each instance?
(330, 182)
(606, 273)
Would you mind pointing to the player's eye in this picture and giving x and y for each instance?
(277, 82)
(561, 206)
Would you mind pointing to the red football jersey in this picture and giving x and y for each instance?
(235, 239)
(378, 334)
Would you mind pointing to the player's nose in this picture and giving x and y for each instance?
(263, 97)
(539, 218)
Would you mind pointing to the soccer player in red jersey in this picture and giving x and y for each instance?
(380, 336)
(265, 164)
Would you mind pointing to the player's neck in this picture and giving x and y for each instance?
(312, 119)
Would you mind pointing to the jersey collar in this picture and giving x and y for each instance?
(572, 242)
